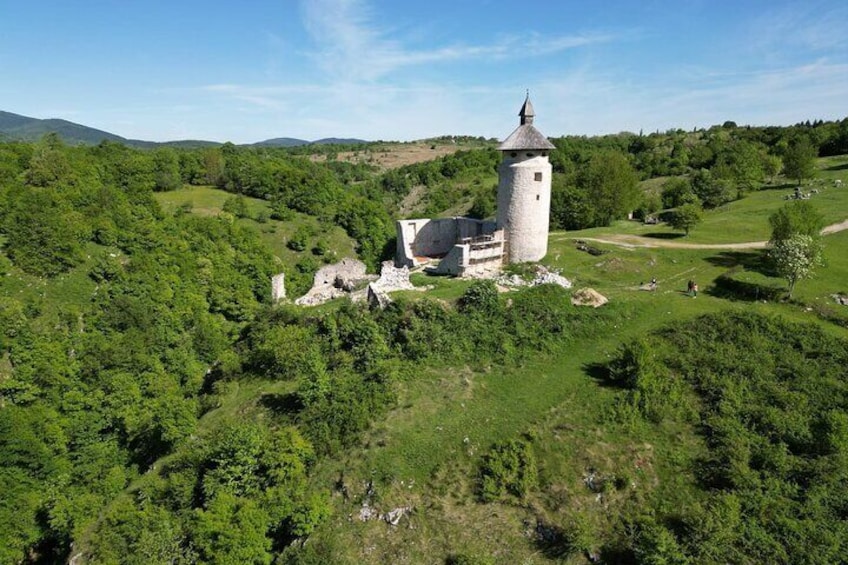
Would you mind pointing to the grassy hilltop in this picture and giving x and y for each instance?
(155, 407)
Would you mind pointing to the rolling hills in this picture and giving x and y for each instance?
(15, 127)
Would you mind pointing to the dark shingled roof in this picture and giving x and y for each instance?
(527, 113)
(526, 136)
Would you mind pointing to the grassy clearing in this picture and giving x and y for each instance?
(747, 219)
(56, 295)
(394, 155)
(208, 201)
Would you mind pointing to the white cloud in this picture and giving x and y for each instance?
(350, 46)
(805, 25)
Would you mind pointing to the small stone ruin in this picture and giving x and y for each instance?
(336, 280)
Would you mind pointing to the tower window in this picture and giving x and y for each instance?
(538, 178)
(537, 197)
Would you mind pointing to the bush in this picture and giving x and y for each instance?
(298, 240)
(509, 469)
(481, 297)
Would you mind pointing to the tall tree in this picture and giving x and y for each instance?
(795, 218)
(795, 258)
(611, 183)
(686, 217)
(799, 160)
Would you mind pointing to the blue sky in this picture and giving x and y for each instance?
(401, 70)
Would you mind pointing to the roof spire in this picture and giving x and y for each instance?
(527, 113)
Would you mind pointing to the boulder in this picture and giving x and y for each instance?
(588, 297)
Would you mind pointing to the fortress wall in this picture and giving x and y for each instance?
(469, 227)
(524, 205)
(454, 262)
(425, 237)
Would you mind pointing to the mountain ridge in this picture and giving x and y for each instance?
(17, 127)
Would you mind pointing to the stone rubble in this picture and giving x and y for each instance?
(334, 281)
(543, 275)
(392, 517)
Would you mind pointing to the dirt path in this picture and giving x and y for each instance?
(624, 240)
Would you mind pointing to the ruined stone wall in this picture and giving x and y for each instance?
(454, 262)
(524, 203)
(278, 287)
(426, 237)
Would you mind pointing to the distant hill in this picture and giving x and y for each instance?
(281, 142)
(339, 141)
(294, 142)
(14, 127)
(24, 128)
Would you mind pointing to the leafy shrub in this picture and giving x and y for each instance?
(481, 298)
(298, 240)
(508, 469)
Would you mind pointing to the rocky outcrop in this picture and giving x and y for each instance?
(588, 297)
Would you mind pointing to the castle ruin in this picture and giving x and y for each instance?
(479, 248)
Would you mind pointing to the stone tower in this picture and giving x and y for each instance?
(524, 190)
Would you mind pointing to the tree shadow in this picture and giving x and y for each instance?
(286, 405)
(662, 235)
(554, 542)
(747, 260)
(600, 373)
(841, 167)
(782, 186)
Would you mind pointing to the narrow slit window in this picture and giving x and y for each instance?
(538, 177)
(537, 197)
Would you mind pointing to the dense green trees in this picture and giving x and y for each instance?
(595, 193)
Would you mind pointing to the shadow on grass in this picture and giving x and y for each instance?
(782, 186)
(600, 373)
(661, 235)
(554, 542)
(842, 167)
(559, 544)
(286, 405)
(748, 260)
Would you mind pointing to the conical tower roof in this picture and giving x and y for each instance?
(527, 113)
(526, 136)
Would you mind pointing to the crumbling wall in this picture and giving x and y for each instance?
(278, 287)
(454, 262)
(334, 281)
(430, 238)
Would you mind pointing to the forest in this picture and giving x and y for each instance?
(156, 407)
